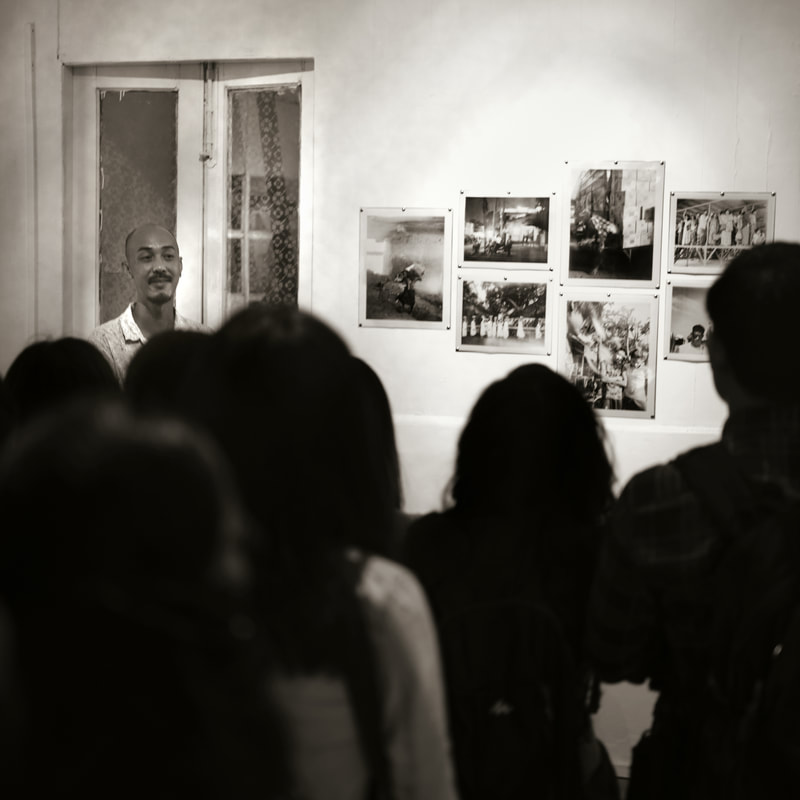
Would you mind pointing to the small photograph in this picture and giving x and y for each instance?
(404, 265)
(607, 350)
(709, 228)
(503, 314)
(506, 231)
(687, 322)
(614, 232)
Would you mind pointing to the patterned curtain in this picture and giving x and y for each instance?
(276, 202)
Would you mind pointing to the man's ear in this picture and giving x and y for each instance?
(180, 266)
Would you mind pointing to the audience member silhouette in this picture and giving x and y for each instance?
(656, 600)
(48, 373)
(531, 486)
(135, 671)
(283, 397)
(156, 377)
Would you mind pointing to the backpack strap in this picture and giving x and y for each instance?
(361, 678)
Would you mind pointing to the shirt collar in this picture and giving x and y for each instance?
(181, 322)
(132, 332)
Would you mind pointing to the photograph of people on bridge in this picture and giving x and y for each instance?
(509, 232)
(709, 228)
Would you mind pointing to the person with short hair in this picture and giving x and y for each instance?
(694, 343)
(154, 262)
(647, 618)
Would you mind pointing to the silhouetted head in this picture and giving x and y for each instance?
(285, 400)
(753, 316)
(146, 504)
(48, 373)
(533, 449)
(156, 379)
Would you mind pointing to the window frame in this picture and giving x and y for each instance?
(201, 223)
(83, 301)
(230, 77)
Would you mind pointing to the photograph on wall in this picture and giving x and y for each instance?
(505, 231)
(607, 349)
(404, 267)
(614, 230)
(687, 323)
(503, 314)
(709, 228)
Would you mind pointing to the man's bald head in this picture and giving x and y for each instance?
(144, 231)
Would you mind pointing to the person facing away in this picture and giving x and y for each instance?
(49, 373)
(155, 265)
(128, 667)
(650, 615)
(159, 370)
(532, 483)
(357, 676)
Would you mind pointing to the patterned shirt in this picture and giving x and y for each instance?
(644, 620)
(120, 338)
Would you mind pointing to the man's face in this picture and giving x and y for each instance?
(696, 339)
(154, 263)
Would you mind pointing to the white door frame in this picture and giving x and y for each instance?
(237, 76)
(84, 274)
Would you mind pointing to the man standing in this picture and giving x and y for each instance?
(651, 611)
(153, 260)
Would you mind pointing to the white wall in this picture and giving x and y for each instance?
(415, 101)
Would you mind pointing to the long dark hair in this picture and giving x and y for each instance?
(376, 411)
(533, 449)
(284, 399)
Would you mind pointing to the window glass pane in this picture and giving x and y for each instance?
(138, 180)
(263, 170)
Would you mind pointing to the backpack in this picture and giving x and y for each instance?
(515, 710)
(749, 719)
